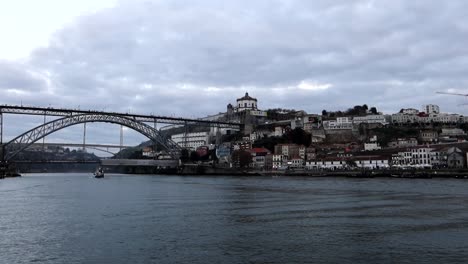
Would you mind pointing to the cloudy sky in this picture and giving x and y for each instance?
(190, 58)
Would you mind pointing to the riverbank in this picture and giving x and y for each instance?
(441, 173)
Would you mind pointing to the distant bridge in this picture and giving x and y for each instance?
(99, 147)
(70, 117)
(79, 145)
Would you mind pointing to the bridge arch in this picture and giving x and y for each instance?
(20, 143)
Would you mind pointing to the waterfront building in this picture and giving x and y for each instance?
(191, 140)
(268, 162)
(296, 163)
(340, 163)
(421, 156)
(372, 162)
(289, 150)
(311, 153)
(302, 152)
(325, 164)
(259, 157)
(242, 145)
(455, 158)
(277, 161)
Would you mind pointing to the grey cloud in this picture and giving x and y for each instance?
(19, 77)
(161, 56)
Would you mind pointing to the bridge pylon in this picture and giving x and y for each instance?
(3, 163)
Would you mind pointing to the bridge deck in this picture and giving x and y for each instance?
(49, 111)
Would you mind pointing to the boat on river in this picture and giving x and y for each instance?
(99, 173)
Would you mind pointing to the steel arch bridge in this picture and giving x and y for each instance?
(18, 144)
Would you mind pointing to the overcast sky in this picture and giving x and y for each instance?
(192, 58)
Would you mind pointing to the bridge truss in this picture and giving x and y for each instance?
(49, 111)
(70, 117)
(13, 147)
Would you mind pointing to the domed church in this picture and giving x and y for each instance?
(246, 103)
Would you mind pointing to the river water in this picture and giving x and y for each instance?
(74, 218)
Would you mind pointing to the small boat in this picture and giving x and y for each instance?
(99, 173)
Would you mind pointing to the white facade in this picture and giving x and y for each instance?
(191, 140)
(431, 109)
(372, 163)
(246, 103)
(401, 118)
(326, 165)
(277, 161)
(302, 152)
(410, 111)
(361, 162)
(370, 119)
(417, 157)
(296, 163)
(452, 132)
(339, 123)
(403, 142)
(371, 146)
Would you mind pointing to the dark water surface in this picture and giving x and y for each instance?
(74, 218)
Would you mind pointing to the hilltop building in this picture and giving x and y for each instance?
(431, 109)
(246, 103)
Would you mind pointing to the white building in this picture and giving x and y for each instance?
(372, 162)
(431, 109)
(296, 163)
(403, 142)
(421, 156)
(410, 111)
(446, 118)
(402, 118)
(452, 132)
(277, 161)
(418, 157)
(371, 146)
(367, 162)
(191, 140)
(339, 123)
(370, 119)
(246, 103)
(329, 164)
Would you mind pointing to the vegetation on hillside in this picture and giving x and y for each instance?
(358, 110)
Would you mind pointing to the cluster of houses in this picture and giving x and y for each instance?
(297, 157)
(433, 147)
